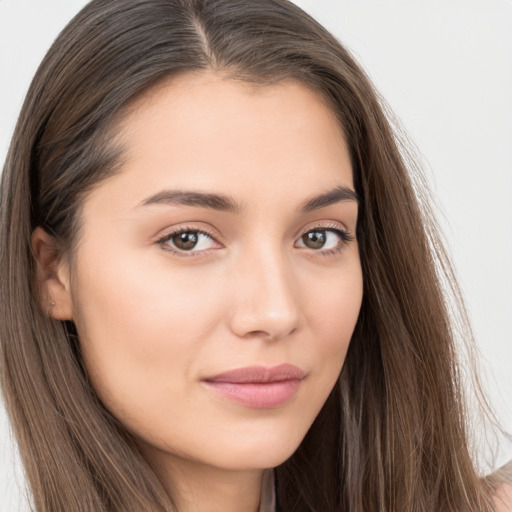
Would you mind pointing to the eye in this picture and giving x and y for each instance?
(186, 241)
(325, 240)
(189, 240)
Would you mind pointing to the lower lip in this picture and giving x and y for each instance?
(258, 395)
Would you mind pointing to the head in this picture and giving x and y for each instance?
(112, 332)
(168, 289)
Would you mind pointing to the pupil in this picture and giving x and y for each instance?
(314, 239)
(185, 241)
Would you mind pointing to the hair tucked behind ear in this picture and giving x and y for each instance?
(392, 436)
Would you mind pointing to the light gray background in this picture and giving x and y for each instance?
(445, 67)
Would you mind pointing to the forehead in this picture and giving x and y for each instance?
(210, 132)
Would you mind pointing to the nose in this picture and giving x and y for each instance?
(265, 301)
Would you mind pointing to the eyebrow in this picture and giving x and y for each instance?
(227, 204)
(338, 194)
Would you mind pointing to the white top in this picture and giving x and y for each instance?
(268, 492)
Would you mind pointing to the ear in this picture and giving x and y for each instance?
(52, 273)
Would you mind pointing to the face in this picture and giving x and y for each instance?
(217, 282)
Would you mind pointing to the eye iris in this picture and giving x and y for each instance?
(185, 241)
(314, 239)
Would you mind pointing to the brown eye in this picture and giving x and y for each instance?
(315, 239)
(325, 241)
(185, 241)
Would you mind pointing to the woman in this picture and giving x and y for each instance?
(215, 264)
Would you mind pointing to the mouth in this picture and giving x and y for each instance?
(258, 387)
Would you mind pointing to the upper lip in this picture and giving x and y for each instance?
(259, 374)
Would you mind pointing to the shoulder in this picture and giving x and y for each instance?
(503, 496)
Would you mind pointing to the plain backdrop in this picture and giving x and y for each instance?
(445, 67)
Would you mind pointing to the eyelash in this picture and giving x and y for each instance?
(345, 238)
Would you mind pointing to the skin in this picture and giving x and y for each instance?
(153, 323)
(503, 499)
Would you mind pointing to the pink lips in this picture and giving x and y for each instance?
(257, 386)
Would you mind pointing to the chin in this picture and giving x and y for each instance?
(258, 453)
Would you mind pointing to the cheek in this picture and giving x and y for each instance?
(331, 312)
(333, 307)
(333, 315)
(139, 327)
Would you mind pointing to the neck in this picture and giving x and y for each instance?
(198, 487)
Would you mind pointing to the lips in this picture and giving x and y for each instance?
(257, 387)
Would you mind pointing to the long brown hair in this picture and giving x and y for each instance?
(392, 437)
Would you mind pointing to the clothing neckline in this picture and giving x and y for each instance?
(268, 492)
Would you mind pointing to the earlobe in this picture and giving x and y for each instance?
(52, 273)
